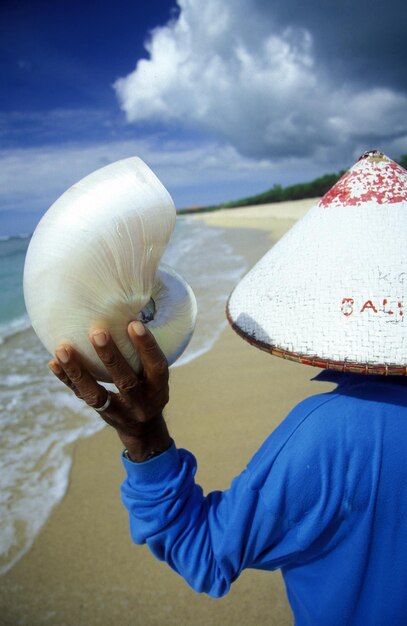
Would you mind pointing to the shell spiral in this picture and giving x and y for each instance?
(93, 261)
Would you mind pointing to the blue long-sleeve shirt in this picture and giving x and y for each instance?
(324, 499)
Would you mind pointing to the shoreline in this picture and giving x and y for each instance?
(83, 569)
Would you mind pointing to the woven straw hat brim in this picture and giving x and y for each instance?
(331, 292)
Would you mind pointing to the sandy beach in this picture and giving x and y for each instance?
(83, 569)
(274, 219)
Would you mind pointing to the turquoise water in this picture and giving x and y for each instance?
(12, 254)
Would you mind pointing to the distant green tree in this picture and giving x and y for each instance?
(313, 189)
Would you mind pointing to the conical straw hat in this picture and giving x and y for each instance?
(333, 291)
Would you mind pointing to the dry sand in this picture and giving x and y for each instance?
(83, 569)
(275, 219)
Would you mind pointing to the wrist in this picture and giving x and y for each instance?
(152, 439)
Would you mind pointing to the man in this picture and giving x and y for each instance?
(325, 497)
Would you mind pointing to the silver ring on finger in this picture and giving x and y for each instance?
(106, 404)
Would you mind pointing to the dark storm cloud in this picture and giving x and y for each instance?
(361, 41)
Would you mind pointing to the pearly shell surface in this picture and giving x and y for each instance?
(93, 262)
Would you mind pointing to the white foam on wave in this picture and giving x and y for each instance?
(212, 268)
(13, 327)
(39, 419)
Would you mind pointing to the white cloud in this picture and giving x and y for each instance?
(194, 173)
(228, 69)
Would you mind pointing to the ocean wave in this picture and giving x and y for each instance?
(42, 417)
(12, 237)
(209, 263)
(14, 327)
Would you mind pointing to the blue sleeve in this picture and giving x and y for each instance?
(271, 513)
(208, 540)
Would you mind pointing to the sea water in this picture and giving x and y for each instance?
(39, 417)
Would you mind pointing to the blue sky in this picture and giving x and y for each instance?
(222, 98)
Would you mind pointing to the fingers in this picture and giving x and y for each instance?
(152, 358)
(122, 374)
(69, 369)
(60, 374)
(155, 367)
(152, 384)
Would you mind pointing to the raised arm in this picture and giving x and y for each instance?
(208, 540)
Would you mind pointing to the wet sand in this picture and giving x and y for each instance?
(83, 569)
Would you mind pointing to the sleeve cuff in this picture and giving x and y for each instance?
(153, 470)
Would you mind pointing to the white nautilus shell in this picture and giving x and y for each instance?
(93, 262)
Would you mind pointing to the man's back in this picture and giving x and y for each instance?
(353, 569)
